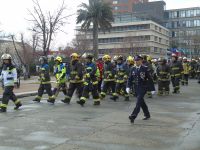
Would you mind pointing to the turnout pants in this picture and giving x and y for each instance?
(175, 83)
(8, 94)
(108, 85)
(73, 87)
(46, 87)
(60, 87)
(93, 88)
(163, 86)
(121, 89)
(185, 79)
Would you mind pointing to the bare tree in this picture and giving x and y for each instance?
(45, 25)
(81, 43)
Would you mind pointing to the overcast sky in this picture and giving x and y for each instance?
(13, 15)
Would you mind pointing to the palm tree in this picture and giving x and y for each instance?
(98, 14)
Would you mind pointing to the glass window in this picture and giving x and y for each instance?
(191, 13)
(198, 12)
(191, 23)
(187, 13)
(182, 14)
(187, 23)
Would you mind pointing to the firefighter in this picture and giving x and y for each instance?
(163, 73)
(193, 65)
(147, 62)
(9, 77)
(100, 69)
(121, 79)
(90, 82)
(176, 70)
(60, 74)
(186, 70)
(44, 78)
(108, 77)
(75, 78)
(130, 64)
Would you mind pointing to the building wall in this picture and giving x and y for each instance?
(121, 6)
(143, 37)
(185, 26)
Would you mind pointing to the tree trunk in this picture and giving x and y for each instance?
(95, 39)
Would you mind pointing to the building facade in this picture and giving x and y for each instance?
(132, 36)
(184, 25)
(123, 6)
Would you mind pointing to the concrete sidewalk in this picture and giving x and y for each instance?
(27, 88)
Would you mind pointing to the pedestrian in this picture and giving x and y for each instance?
(140, 77)
(44, 79)
(9, 77)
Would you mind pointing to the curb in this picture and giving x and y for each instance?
(24, 94)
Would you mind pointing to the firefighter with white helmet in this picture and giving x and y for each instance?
(9, 77)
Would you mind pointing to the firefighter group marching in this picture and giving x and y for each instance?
(123, 78)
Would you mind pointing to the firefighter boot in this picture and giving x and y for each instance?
(2, 109)
(51, 100)
(96, 103)
(66, 100)
(17, 106)
(81, 102)
(37, 99)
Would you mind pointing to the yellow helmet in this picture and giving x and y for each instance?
(149, 58)
(74, 56)
(106, 58)
(130, 59)
(58, 58)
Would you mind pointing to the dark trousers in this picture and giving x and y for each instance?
(107, 85)
(176, 83)
(46, 87)
(140, 92)
(60, 87)
(99, 85)
(185, 79)
(8, 94)
(163, 86)
(73, 87)
(93, 88)
(121, 87)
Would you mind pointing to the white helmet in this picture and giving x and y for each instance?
(6, 56)
(185, 58)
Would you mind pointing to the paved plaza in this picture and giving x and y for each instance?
(174, 125)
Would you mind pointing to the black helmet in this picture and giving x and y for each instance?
(90, 56)
(120, 57)
(43, 59)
